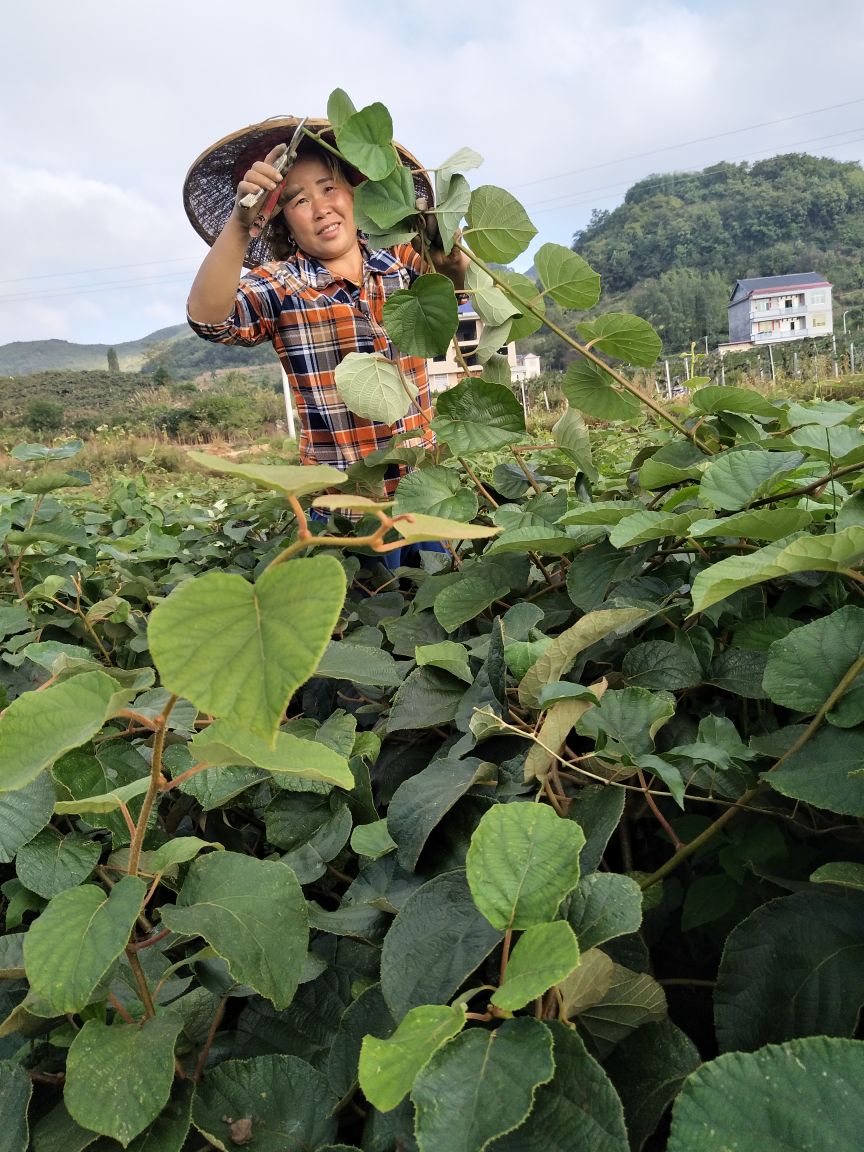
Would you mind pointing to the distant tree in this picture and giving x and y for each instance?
(44, 415)
(161, 375)
(113, 361)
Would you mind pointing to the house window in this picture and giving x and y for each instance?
(817, 298)
(764, 326)
(819, 321)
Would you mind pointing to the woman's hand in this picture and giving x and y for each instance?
(260, 179)
(452, 264)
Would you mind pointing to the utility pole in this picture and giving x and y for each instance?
(834, 355)
(289, 410)
(771, 361)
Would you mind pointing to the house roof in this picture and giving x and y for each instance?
(760, 284)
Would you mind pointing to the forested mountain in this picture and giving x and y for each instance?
(675, 247)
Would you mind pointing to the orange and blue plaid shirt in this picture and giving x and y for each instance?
(313, 321)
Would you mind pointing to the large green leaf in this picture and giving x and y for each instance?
(566, 277)
(605, 905)
(828, 553)
(435, 942)
(736, 479)
(374, 387)
(544, 955)
(794, 1097)
(288, 1102)
(361, 665)
(428, 697)
(524, 292)
(365, 1016)
(435, 491)
(472, 594)
(806, 666)
(631, 1000)
(794, 967)
(523, 861)
(478, 416)
(365, 139)
(128, 1063)
(422, 320)
(415, 528)
(339, 107)
(451, 208)
(747, 401)
(289, 479)
(490, 303)
(625, 337)
(99, 924)
(271, 635)
(628, 719)
(422, 801)
(648, 1068)
(51, 863)
(23, 813)
(758, 524)
(37, 728)
(825, 772)
(252, 913)
(571, 435)
(561, 654)
(385, 203)
(389, 1067)
(587, 387)
(56, 1131)
(578, 1109)
(498, 227)
(15, 1092)
(481, 1085)
(224, 743)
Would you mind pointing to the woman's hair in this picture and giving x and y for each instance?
(281, 241)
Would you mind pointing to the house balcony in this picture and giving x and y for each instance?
(779, 337)
(777, 313)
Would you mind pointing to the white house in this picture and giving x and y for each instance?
(445, 371)
(771, 309)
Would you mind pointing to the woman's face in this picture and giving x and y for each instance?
(318, 208)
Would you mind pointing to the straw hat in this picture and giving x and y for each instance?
(211, 183)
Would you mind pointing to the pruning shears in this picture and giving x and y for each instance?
(272, 198)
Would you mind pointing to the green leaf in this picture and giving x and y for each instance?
(51, 863)
(558, 722)
(544, 955)
(99, 924)
(385, 203)
(389, 1067)
(490, 303)
(806, 666)
(24, 813)
(629, 718)
(794, 967)
(15, 1092)
(478, 416)
(523, 861)
(627, 338)
(103, 801)
(846, 874)
(179, 850)
(784, 1098)
(472, 594)
(662, 665)
(428, 697)
(372, 840)
(737, 478)
(566, 277)
(29, 452)
(252, 913)
(498, 227)
(481, 1085)
(758, 524)
(339, 108)
(271, 634)
(587, 387)
(132, 1063)
(451, 209)
(820, 773)
(38, 727)
(373, 387)
(288, 1101)
(648, 1068)
(648, 525)
(435, 491)
(56, 1131)
(289, 479)
(571, 435)
(361, 664)
(577, 1109)
(747, 401)
(416, 528)
(435, 942)
(561, 654)
(365, 139)
(525, 292)
(422, 320)
(605, 905)
(446, 655)
(830, 553)
(422, 801)
(632, 999)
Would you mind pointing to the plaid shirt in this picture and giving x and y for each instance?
(313, 321)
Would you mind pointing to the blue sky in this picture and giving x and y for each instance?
(569, 102)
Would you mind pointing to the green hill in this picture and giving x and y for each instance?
(675, 247)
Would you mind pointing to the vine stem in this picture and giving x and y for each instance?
(583, 350)
(211, 1036)
(687, 850)
(141, 983)
(475, 480)
(834, 474)
(153, 789)
(505, 955)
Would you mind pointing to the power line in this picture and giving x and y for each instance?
(105, 268)
(687, 143)
(86, 289)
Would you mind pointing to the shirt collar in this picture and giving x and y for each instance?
(314, 273)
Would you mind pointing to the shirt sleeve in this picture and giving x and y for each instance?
(256, 310)
(407, 255)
